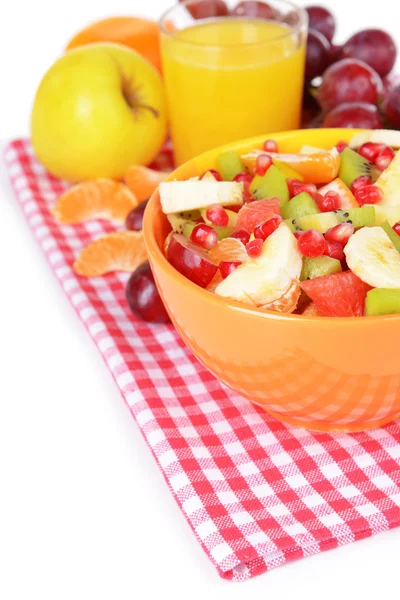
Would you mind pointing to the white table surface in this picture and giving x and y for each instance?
(84, 511)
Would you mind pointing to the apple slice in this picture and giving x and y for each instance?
(191, 260)
(390, 137)
(178, 196)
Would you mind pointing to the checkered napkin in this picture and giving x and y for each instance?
(256, 493)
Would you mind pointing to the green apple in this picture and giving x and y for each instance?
(99, 109)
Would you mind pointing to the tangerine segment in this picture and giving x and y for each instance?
(143, 181)
(137, 33)
(320, 167)
(287, 303)
(96, 199)
(230, 249)
(118, 251)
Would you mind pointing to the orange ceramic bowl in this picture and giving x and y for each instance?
(322, 373)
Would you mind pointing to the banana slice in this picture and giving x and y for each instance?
(372, 256)
(272, 276)
(390, 137)
(178, 196)
(389, 182)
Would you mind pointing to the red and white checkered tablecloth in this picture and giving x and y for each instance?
(256, 493)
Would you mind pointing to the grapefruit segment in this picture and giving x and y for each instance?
(254, 213)
(337, 295)
(119, 251)
(96, 199)
(320, 167)
(229, 249)
(143, 181)
(347, 199)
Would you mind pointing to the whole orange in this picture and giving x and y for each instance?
(140, 34)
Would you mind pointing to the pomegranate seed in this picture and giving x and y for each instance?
(370, 150)
(360, 182)
(254, 248)
(329, 202)
(217, 215)
(246, 179)
(270, 146)
(227, 267)
(370, 194)
(263, 163)
(241, 235)
(384, 158)
(265, 229)
(311, 243)
(297, 187)
(340, 146)
(204, 236)
(334, 250)
(340, 234)
(214, 173)
(297, 234)
(396, 228)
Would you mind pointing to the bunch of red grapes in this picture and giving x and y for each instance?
(356, 88)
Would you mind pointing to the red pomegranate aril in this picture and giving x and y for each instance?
(270, 146)
(370, 150)
(340, 146)
(334, 250)
(384, 158)
(297, 187)
(241, 235)
(254, 248)
(360, 182)
(227, 267)
(214, 173)
(263, 163)
(340, 234)
(297, 234)
(370, 194)
(264, 230)
(311, 243)
(246, 179)
(329, 202)
(217, 215)
(205, 236)
(396, 227)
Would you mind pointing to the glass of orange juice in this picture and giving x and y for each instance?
(232, 70)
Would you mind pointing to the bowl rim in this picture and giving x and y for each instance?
(159, 257)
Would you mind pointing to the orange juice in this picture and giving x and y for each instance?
(231, 78)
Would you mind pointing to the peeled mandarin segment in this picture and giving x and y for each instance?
(320, 167)
(143, 181)
(229, 249)
(100, 198)
(287, 303)
(119, 251)
(347, 199)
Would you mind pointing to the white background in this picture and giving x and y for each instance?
(84, 511)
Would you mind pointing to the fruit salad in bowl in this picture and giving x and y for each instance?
(314, 232)
(279, 264)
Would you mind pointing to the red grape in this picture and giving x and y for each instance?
(205, 9)
(391, 107)
(358, 115)
(334, 54)
(349, 80)
(322, 20)
(134, 220)
(143, 297)
(310, 114)
(317, 56)
(373, 46)
(254, 9)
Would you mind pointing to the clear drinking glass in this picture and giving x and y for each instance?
(232, 77)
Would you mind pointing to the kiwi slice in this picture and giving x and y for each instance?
(320, 221)
(233, 217)
(392, 235)
(286, 170)
(391, 214)
(353, 165)
(382, 301)
(185, 226)
(319, 266)
(189, 215)
(271, 185)
(359, 217)
(299, 206)
(230, 164)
